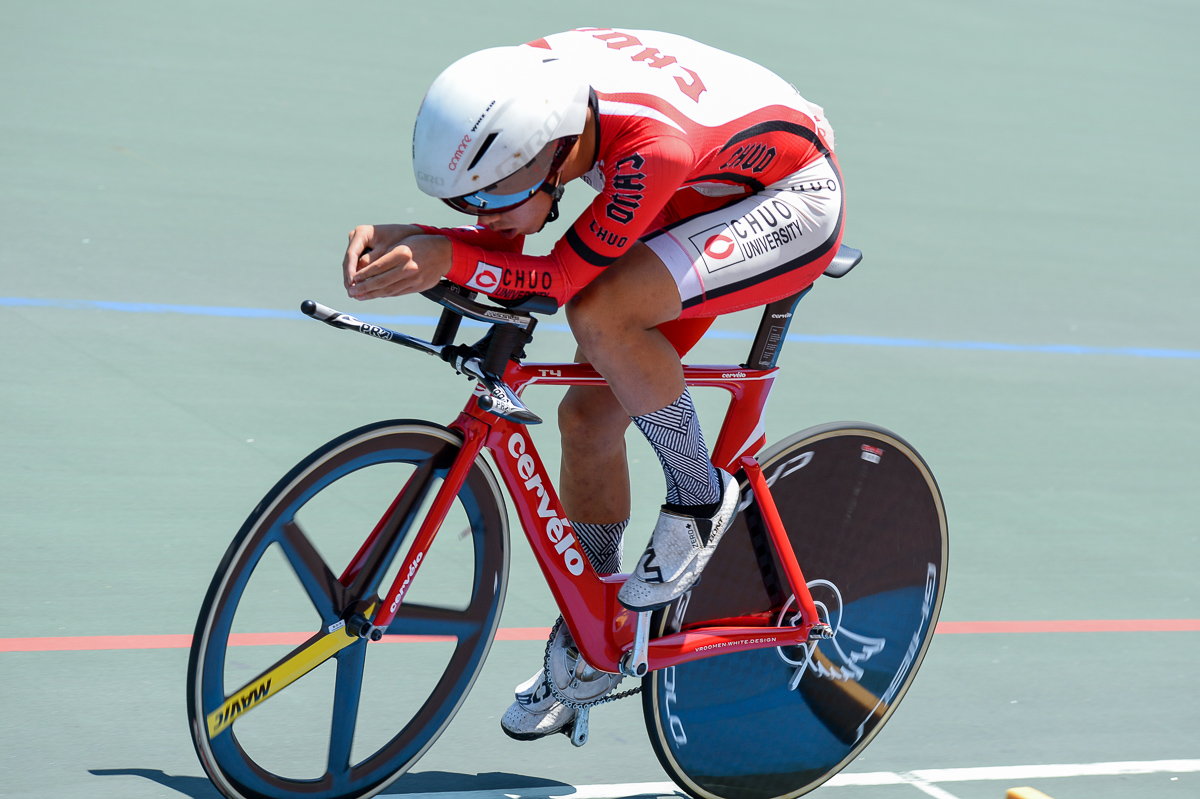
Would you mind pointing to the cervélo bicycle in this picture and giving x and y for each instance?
(766, 679)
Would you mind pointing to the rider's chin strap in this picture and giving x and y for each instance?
(556, 194)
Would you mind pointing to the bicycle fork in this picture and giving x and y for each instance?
(473, 441)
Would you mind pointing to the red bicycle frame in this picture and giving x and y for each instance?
(602, 628)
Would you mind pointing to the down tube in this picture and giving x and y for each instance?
(578, 590)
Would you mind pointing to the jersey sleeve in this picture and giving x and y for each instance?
(478, 236)
(637, 184)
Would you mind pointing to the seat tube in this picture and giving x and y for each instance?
(783, 546)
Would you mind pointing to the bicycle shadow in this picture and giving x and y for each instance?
(412, 783)
(195, 787)
(511, 784)
(447, 781)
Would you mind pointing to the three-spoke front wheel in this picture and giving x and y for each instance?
(284, 697)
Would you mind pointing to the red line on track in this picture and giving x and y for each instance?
(91, 643)
(1081, 626)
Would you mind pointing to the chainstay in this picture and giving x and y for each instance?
(559, 695)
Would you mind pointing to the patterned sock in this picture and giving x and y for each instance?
(602, 544)
(674, 433)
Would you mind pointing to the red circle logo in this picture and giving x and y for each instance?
(486, 277)
(719, 246)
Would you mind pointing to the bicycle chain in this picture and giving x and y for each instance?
(559, 695)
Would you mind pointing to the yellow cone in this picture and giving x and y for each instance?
(1025, 793)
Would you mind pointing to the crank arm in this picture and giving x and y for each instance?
(635, 662)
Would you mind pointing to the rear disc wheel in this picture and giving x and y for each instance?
(866, 521)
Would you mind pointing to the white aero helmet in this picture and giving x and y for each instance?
(495, 125)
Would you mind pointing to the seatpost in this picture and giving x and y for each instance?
(776, 319)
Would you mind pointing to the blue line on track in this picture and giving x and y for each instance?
(429, 321)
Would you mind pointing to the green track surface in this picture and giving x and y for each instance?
(1018, 173)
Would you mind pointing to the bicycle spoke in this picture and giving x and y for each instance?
(350, 662)
(430, 620)
(370, 570)
(326, 593)
(286, 671)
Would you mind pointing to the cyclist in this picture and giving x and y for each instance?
(717, 190)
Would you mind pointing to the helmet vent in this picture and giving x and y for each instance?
(483, 148)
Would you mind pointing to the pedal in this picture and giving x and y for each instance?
(579, 733)
(635, 662)
(794, 680)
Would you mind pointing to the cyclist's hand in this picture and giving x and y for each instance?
(370, 243)
(396, 264)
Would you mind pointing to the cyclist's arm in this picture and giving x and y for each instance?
(371, 245)
(389, 260)
(637, 186)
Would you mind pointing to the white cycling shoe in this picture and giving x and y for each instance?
(678, 551)
(536, 713)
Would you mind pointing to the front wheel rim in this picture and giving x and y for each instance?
(236, 772)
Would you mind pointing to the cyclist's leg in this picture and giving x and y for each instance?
(593, 479)
(615, 322)
(594, 489)
(594, 473)
(746, 253)
(594, 476)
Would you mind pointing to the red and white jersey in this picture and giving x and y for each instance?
(683, 128)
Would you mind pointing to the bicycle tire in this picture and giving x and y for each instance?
(866, 520)
(402, 444)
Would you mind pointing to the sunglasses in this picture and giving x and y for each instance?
(518, 188)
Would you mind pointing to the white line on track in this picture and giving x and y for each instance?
(990, 773)
(924, 780)
(926, 787)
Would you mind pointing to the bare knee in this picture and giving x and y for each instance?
(590, 416)
(593, 319)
